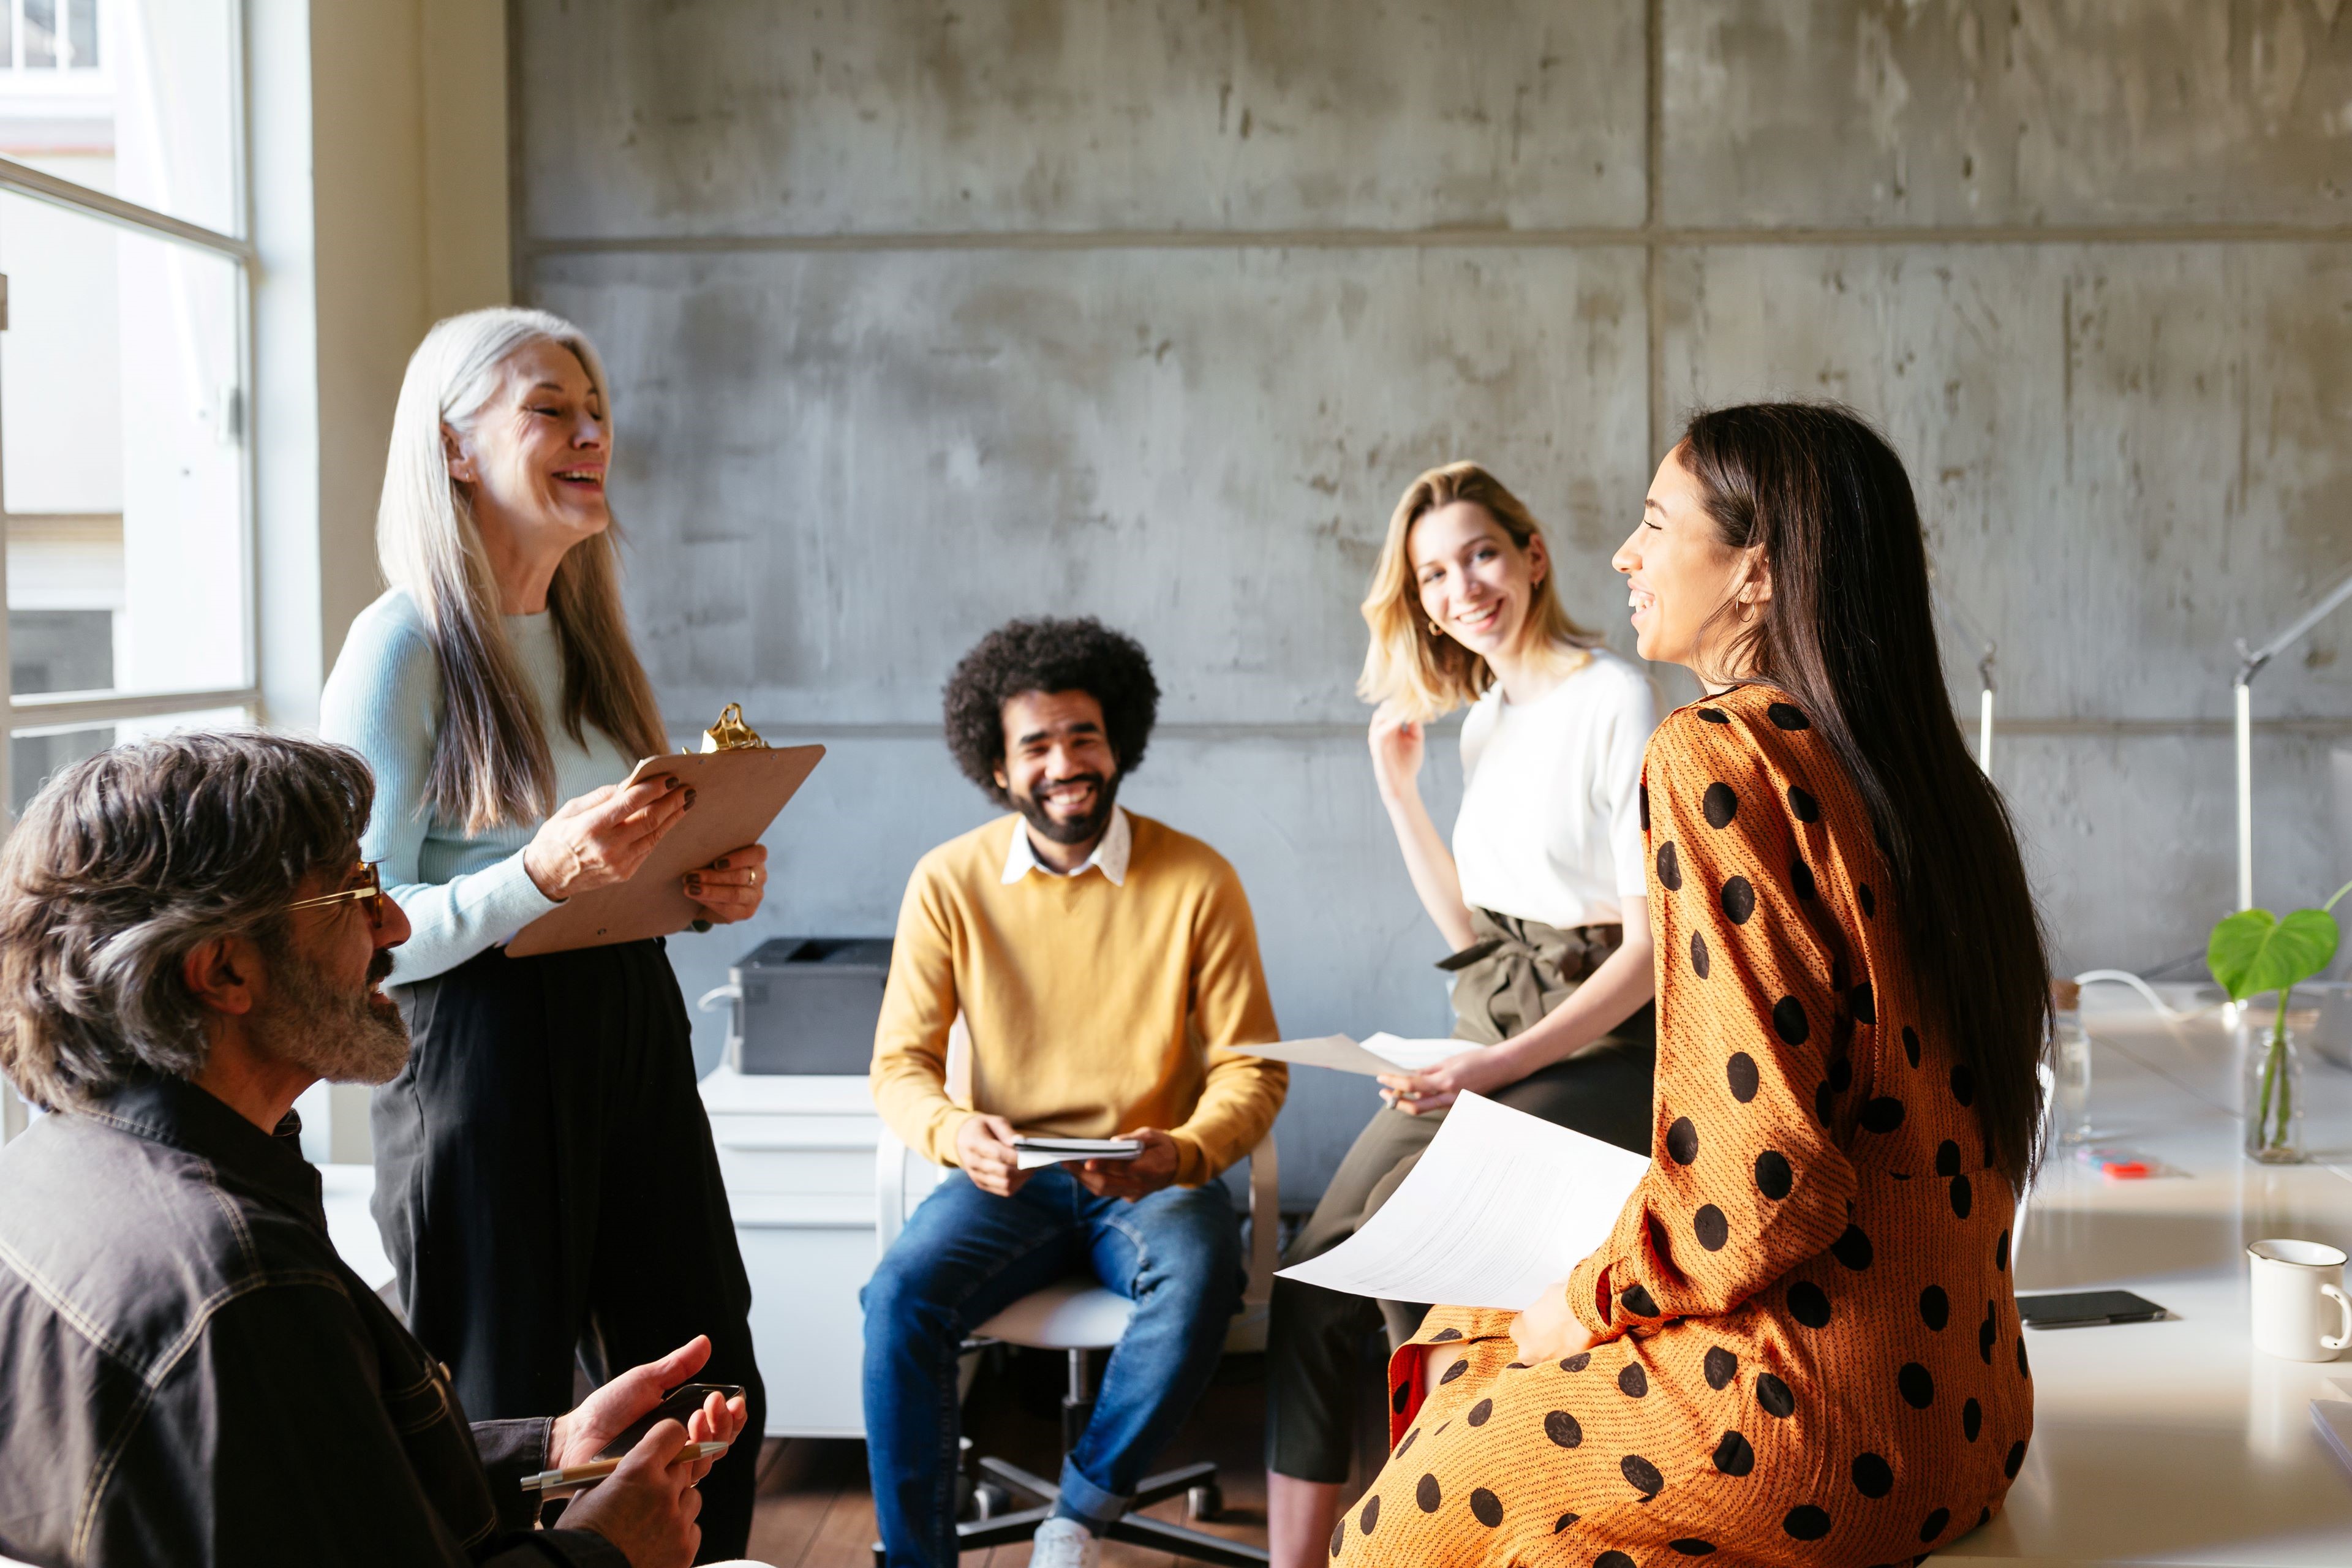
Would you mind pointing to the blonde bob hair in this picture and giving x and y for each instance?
(1419, 671)
(491, 766)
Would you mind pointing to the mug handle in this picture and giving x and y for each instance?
(2343, 1309)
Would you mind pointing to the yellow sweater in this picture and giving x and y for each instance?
(1093, 1009)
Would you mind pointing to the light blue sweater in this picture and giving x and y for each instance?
(462, 892)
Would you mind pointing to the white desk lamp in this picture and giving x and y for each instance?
(2250, 663)
(1984, 662)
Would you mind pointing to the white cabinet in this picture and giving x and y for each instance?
(797, 1154)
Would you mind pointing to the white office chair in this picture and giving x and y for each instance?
(1078, 1315)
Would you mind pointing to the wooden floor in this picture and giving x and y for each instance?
(815, 1511)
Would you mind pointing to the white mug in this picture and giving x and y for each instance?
(2293, 1280)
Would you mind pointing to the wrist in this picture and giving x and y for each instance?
(542, 875)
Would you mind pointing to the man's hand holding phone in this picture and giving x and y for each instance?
(646, 1509)
(984, 1150)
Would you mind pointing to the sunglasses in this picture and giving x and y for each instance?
(369, 897)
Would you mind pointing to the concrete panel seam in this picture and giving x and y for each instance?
(1600, 237)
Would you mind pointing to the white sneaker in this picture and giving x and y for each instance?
(1064, 1544)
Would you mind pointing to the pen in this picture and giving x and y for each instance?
(598, 1469)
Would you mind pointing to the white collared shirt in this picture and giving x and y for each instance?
(1109, 856)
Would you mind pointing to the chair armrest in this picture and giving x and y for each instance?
(1265, 1222)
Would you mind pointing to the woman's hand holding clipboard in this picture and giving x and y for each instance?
(738, 786)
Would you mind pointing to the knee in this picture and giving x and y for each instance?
(1197, 1265)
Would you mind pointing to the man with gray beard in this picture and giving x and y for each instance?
(188, 1374)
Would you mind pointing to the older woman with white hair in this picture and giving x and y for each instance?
(547, 1122)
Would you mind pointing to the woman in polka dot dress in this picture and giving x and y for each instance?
(1800, 1344)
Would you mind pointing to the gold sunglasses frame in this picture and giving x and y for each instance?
(371, 896)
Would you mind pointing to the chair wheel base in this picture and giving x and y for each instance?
(1203, 1503)
(990, 1501)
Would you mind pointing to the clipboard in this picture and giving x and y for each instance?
(1382, 1053)
(739, 792)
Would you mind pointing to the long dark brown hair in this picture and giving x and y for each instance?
(1850, 633)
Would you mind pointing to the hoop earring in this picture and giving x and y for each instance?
(1434, 632)
(1750, 616)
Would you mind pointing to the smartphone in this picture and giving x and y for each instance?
(2083, 1308)
(681, 1402)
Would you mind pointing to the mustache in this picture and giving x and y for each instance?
(1095, 779)
(379, 968)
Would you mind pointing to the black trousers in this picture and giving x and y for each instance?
(547, 1186)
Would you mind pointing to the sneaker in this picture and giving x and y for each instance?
(1062, 1543)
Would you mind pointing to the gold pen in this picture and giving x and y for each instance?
(596, 1470)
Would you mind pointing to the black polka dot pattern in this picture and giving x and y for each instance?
(1988, 1334)
(1444, 1336)
(2015, 1462)
(1670, 868)
(1711, 1226)
(1409, 1436)
(1868, 900)
(1788, 715)
(1841, 1074)
(1825, 1102)
(1720, 806)
(1632, 1380)
(1481, 1413)
(1578, 1361)
(1722, 1366)
(1971, 1420)
(2001, 1253)
(1932, 1528)
(1741, 1071)
(1715, 715)
(1775, 1397)
(1935, 1308)
(1698, 955)
(1947, 1158)
(1964, 1083)
(1911, 1044)
(1339, 1537)
(1809, 1304)
(1636, 1301)
(1565, 1521)
(1862, 1003)
(1789, 1021)
(1485, 1508)
(1642, 796)
(1456, 1370)
(1773, 1176)
(1916, 1385)
(1642, 1475)
(1800, 880)
(1428, 1495)
(1882, 1114)
(1738, 900)
(1691, 1546)
(1613, 1560)
(1806, 1523)
(1963, 1196)
(1371, 1514)
(1734, 1456)
(1682, 1140)
(1852, 1248)
(1802, 806)
(1873, 1476)
(1563, 1429)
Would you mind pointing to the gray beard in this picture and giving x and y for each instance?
(337, 1036)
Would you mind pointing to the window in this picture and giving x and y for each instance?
(125, 478)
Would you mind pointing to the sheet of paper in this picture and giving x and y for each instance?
(1413, 1054)
(1032, 1154)
(1499, 1207)
(1381, 1053)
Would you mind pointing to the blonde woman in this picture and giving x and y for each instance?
(547, 1120)
(1541, 897)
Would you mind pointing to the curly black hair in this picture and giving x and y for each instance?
(1081, 655)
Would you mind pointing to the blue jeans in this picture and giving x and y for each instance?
(964, 1258)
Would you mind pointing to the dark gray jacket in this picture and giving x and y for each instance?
(189, 1375)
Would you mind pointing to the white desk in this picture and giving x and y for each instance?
(2176, 1442)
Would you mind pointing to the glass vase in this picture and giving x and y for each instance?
(2273, 1096)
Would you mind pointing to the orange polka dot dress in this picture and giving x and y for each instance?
(1806, 1347)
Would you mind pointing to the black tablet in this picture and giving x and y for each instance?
(2083, 1309)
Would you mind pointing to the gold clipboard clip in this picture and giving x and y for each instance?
(731, 734)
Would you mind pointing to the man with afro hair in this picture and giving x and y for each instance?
(1104, 969)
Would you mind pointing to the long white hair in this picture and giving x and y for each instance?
(491, 766)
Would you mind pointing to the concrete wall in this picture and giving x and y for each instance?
(925, 318)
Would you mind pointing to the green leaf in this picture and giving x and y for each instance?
(2253, 951)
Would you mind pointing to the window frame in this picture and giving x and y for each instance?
(51, 713)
